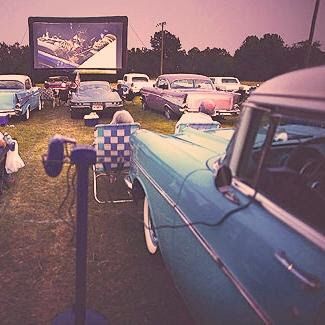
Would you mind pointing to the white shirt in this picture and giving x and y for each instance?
(122, 117)
(193, 117)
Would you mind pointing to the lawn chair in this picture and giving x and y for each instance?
(211, 126)
(113, 155)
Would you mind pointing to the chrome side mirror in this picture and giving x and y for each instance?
(223, 177)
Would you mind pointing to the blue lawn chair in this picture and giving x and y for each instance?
(113, 154)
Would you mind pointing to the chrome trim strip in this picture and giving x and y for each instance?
(284, 216)
(213, 254)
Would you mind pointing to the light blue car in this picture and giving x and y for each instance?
(18, 97)
(240, 219)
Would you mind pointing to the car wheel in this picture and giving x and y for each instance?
(39, 104)
(149, 233)
(26, 116)
(168, 113)
(144, 105)
(130, 96)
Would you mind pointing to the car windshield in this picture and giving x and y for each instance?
(11, 84)
(229, 81)
(191, 83)
(140, 79)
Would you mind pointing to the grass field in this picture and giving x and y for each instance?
(37, 248)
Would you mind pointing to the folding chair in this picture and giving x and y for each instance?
(113, 155)
(211, 126)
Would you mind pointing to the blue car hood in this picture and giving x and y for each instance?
(170, 159)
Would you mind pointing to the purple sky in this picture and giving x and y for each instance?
(200, 23)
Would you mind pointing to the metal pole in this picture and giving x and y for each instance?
(162, 24)
(83, 157)
(311, 34)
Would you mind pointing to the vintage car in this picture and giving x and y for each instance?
(18, 97)
(60, 83)
(230, 84)
(94, 96)
(240, 222)
(173, 93)
(133, 82)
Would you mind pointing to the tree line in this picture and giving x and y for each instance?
(257, 59)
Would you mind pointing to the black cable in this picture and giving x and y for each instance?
(64, 200)
(203, 223)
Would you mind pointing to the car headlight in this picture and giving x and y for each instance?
(18, 107)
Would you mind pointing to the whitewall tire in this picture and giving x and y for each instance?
(149, 233)
(27, 114)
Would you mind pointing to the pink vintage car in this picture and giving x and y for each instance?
(174, 93)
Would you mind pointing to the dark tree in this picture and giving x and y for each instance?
(14, 59)
(296, 55)
(261, 59)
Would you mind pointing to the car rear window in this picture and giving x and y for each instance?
(229, 81)
(191, 83)
(140, 79)
(11, 84)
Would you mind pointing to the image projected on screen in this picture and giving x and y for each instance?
(77, 45)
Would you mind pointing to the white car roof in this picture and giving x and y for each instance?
(137, 75)
(18, 77)
(94, 83)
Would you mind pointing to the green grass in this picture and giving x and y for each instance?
(37, 248)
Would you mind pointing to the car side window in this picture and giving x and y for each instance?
(162, 83)
(28, 84)
(284, 159)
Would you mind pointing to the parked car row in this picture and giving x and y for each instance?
(170, 94)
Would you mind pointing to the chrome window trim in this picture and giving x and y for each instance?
(300, 227)
(213, 254)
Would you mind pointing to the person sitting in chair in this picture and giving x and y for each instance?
(47, 96)
(122, 116)
(206, 109)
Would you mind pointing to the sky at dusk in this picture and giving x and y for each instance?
(200, 23)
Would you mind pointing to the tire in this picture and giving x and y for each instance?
(149, 234)
(26, 116)
(144, 105)
(130, 96)
(40, 106)
(168, 114)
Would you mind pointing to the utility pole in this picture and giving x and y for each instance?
(311, 34)
(162, 24)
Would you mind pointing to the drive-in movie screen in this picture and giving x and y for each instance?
(78, 43)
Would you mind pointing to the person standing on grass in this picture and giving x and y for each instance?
(47, 96)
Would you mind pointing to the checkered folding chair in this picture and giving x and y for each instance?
(199, 126)
(113, 155)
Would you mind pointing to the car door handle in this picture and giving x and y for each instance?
(307, 279)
